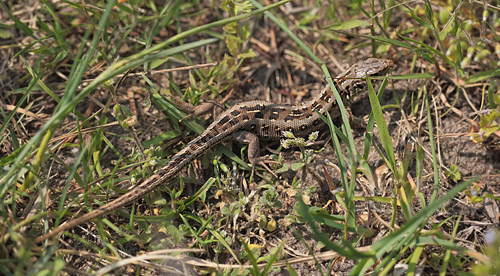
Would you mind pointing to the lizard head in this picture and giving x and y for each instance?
(353, 81)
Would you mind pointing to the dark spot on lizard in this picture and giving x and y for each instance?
(204, 139)
(224, 120)
(315, 105)
(325, 97)
(233, 121)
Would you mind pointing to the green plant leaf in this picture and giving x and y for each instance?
(349, 24)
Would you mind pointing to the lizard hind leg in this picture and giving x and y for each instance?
(246, 137)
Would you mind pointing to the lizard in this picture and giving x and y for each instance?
(247, 122)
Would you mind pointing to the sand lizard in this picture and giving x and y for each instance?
(246, 122)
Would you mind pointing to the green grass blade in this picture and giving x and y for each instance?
(407, 232)
(433, 148)
(385, 137)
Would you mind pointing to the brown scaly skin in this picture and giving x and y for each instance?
(244, 122)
